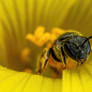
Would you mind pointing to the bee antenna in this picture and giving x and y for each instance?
(86, 40)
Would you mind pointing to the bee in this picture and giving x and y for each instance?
(68, 45)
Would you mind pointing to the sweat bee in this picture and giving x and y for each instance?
(70, 45)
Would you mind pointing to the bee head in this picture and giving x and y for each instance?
(78, 48)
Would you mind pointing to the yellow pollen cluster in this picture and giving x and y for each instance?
(40, 37)
(25, 55)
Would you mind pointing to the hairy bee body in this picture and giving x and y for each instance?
(68, 50)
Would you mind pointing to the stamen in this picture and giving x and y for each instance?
(25, 54)
(28, 70)
(40, 37)
(39, 31)
(55, 33)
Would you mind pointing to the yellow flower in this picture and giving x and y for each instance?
(18, 20)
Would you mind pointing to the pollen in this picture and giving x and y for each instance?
(55, 32)
(28, 70)
(25, 54)
(40, 37)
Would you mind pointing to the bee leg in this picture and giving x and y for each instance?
(64, 56)
(43, 61)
